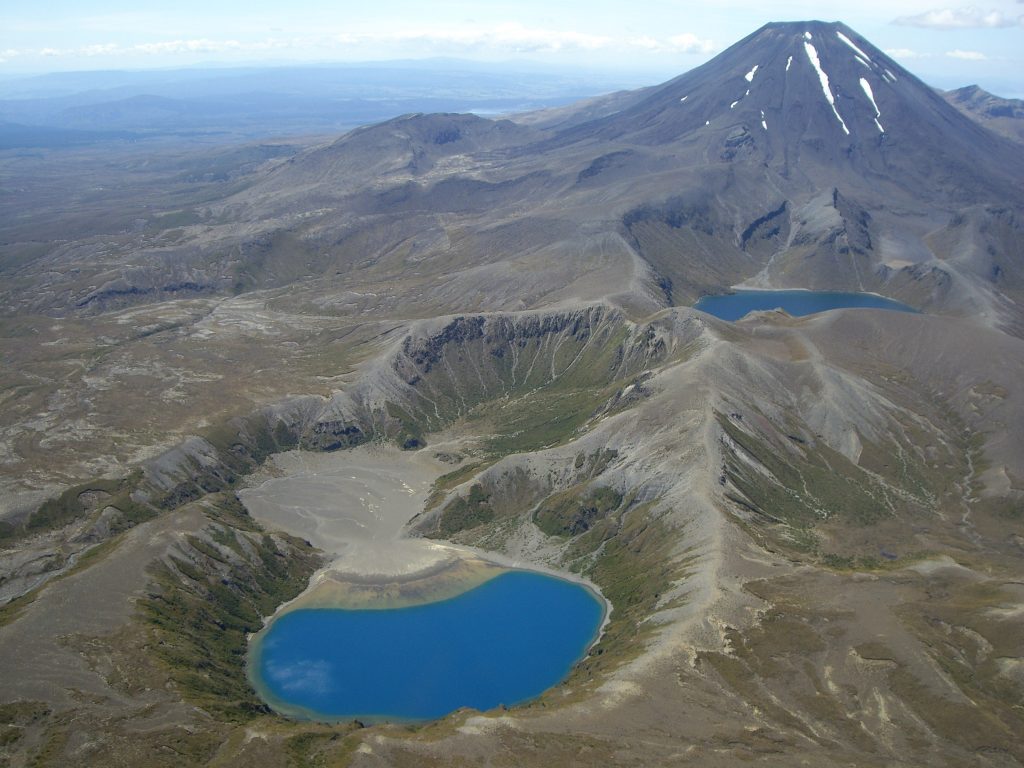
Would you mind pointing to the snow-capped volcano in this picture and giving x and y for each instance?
(817, 96)
(800, 157)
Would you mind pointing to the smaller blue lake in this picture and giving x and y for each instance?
(733, 306)
(503, 642)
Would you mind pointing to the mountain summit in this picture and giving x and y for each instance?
(803, 156)
(807, 530)
(800, 157)
(816, 94)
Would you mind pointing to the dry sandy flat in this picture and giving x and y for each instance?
(353, 505)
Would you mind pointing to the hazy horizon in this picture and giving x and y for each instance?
(948, 47)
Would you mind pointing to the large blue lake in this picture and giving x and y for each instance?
(503, 642)
(733, 306)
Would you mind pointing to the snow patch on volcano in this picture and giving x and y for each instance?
(871, 96)
(812, 54)
(852, 44)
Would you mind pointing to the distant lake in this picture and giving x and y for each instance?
(503, 642)
(797, 303)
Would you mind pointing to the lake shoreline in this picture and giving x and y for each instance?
(797, 302)
(289, 708)
(354, 505)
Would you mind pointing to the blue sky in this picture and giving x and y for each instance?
(948, 45)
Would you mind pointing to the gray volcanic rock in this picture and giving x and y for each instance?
(806, 154)
(802, 156)
(1004, 116)
(413, 144)
(809, 529)
(818, 99)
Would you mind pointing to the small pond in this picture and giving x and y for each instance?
(503, 642)
(733, 306)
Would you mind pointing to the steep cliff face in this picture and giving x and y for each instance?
(699, 473)
(808, 529)
(532, 377)
(1004, 116)
(785, 428)
(802, 156)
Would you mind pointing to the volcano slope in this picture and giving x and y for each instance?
(1004, 116)
(809, 530)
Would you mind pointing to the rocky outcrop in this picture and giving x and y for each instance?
(449, 369)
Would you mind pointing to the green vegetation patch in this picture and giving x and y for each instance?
(574, 511)
(53, 748)
(794, 487)
(631, 559)
(807, 484)
(10, 734)
(409, 434)
(313, 749)
(13, 608)
(782, 655)
(452, 479)
(466, 512)
(81, 500)
(541, 420)
(22, 713)
(241, 446)
(183, 218)
(202, 607)
(531, 383)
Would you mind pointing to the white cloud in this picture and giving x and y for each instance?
(104, 49)
(690, 43)
(905, 53)
(460, 39)
(646, 43)
(509, 36)
(519, 38)
(166, 47)
(961, 18)
(967, 55)
(187, 46)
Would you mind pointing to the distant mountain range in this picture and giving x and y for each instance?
(809, 530)
(226, 104)
(802, 156)
(1005, 116)
(77, 108)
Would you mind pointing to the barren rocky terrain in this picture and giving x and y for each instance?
(445, 340)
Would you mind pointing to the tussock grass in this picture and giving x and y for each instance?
(202, 606)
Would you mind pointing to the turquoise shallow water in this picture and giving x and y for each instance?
(504, 642)
(797, 303)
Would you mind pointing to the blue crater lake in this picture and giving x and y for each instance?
(503, 642)
(733, 306)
